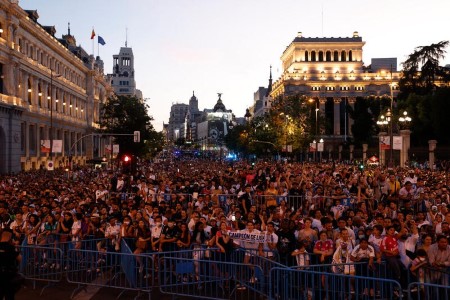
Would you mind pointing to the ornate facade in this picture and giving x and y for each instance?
(331, 72)
(49, 89)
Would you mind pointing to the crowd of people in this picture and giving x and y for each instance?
(308, 213)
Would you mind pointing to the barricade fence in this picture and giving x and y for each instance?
(261, 201)
(209, 279)
(308, 284)
(207, 273)
(425, 291)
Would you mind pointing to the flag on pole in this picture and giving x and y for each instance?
(92, 34)
(101, 41)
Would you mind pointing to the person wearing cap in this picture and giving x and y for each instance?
(169, 236)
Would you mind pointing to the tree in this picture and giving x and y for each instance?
(287, 123)
(124, 115)
(365, 114)
(421, 69)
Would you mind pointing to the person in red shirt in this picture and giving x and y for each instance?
(389, 249)
(324, 247)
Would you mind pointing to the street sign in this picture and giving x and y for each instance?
(50, 165)
(137, 136)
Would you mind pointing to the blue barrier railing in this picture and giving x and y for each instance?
(308, 284)
(425, 291)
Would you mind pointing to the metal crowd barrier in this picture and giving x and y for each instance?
(107, 269)
(379, 270)
(420, 290)
(42, 264)
(308, 284)
(209, 279)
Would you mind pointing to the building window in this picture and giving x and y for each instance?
(330, 88)
(306, 56)
(336, 56)
(313, 55)
(315, 88)
(359, 88)
(328, 56)
(343, 56)
(320, 55)
(350, 56)
(344, 88)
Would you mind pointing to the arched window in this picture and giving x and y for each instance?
(336, 56)
(328, 56)
(343, 56)
(350, 56)
(320, 55)
(306, 56)
(313, 55)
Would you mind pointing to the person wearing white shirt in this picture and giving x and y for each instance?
(407, 244)
(271, 240)
(112, 232)
(251, 245)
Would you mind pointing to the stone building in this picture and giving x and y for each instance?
(122, 78)
(331, 73)
(50, 89)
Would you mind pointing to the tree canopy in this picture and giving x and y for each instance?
(124, 115)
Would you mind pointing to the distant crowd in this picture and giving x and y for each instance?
(308, 213)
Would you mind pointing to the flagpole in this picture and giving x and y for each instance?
(92, 38)
(98, 48)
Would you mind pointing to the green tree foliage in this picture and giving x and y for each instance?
(421, 69)
(365, 113)
(290, 122)
(429, 115)
(124, 115)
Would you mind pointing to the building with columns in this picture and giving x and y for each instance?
(331, 73)
(50, 89)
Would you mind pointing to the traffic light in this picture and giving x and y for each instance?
(126, 159)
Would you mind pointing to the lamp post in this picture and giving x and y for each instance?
(316, 134)
(51, 111)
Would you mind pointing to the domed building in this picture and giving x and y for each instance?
(215, 124)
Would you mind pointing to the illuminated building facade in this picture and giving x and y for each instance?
(50, 88)
(331, 72)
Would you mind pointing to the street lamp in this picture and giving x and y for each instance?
(316, 134)
(286, 118)
(405, 119)
(51, 111)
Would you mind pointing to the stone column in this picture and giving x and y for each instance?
(352, 147)
(351, 102)
(365, 147)
(337, 116)
(406, 141)
(340, 152)
(322, 101)
(382, 152)
(431, 148)
(329, 148)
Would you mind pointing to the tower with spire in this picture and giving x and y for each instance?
(262, 99)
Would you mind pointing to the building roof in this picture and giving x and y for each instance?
(219, 105)
(327, 39)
